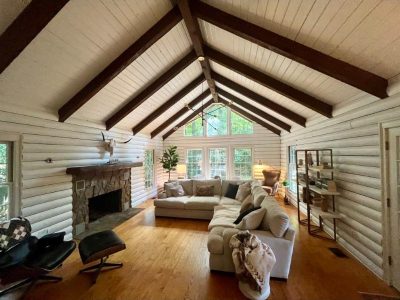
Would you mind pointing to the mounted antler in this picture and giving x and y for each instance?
(110, 144)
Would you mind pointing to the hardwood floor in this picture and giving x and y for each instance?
(168, 259)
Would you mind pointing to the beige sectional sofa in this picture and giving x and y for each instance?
(275, 229)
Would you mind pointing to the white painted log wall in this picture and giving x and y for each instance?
(265, 144)
(354, 138)
(46, 190)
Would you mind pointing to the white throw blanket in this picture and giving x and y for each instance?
(253, 261)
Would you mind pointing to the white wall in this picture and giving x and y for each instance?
(46, 190)
(265, 145)
(354, 137)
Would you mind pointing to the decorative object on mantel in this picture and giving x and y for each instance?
(109, 145)
(169, 160)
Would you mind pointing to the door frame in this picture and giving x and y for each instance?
(385, 180)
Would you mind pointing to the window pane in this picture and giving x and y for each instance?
(148, 168)
(4, 162)
(217, 116)
(292, 169)
(5, 180)
(193, 162)
(4, 202)
(240, 125)
(218, 162)
(194, 128)
(242, 163)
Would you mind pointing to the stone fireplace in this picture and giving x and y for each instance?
(104, 188)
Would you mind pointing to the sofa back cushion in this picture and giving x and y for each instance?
(243, 191)
(275, 219)
(252, 220)
(258, 195)
(216, 183)
(247, 204)
(187, 185)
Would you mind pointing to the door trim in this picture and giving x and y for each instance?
(386, 234)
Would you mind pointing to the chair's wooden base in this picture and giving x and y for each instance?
(98, 267)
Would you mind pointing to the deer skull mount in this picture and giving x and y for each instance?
(110, 144)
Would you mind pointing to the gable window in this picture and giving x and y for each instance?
(194, 128)
(218, 162)
(6, 180)
(149, 169)
(240, 125)
(194, 158)
(242, 163)
(217, 120)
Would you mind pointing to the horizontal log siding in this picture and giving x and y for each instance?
(354, 138)
(46, 190)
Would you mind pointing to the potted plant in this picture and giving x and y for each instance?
(169, 160)
(285, 183)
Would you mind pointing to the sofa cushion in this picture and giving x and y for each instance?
(171, 202)
(215, 243)
(204, 190)
(214, 182)
(225, 184)
(177, 191)
(224, 216)
(247, 203)
(231, 191)
(258, 195)
(187, 185)
(252, 220)
(168, 186)
(202, 203)
(276, 219)
(229, 201)
(244, 213)
(243, 191)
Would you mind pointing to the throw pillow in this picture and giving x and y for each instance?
(246, 204)
(276, 220)
(245, 213)
(258, 195)
(252, 220)
(205, 190)
(243, 191)
(177, 191)
(232, 191)
(168, 186)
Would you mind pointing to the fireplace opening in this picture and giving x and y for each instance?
(105, 204)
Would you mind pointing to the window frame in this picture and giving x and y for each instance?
(227, 163)
(232, 163)
(149, 184)
(201, 161)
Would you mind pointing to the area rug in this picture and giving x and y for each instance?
(109, 222)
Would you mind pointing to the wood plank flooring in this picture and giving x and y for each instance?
(168, 259)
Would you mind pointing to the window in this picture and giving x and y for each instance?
(292, 169)
(6, 178)
(217, 120)
(240, 125)
(149, 169)
(218, 162)
(194, 159)
(194, 128)
(242, 163)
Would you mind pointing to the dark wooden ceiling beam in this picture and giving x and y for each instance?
(29, 23)
(271, 83)
(173, 100)
(254, 109)
(250, 116)
(150, 90)
(180, 113)
(193, 28)
(187, 119)
(260, 99)
(151, 36)
(340, 70)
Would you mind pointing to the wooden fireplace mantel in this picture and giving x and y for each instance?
(98, 169)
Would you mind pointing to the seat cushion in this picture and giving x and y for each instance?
(172, 202)
(51, 257)
(224, 216)
(202, 203)
(99, 245)
(229, 201)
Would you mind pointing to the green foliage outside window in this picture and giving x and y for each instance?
(194, 128)
(240, 125)
(217, 120)
(242, 163)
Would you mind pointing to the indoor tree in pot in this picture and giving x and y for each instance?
(169, 159)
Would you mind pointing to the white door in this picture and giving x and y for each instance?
(394, 195)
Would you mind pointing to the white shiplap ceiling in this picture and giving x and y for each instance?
(87, 35)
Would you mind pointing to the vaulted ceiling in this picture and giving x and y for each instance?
(134, 64)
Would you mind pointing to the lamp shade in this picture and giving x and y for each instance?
(257, 170)
(181, 169)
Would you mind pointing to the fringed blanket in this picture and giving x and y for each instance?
(253, 260)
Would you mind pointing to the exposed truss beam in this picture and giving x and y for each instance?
(271, 83)
(260, 99)
(191, 116)
(180, 113)
(250, 116)
(120, 63)
(254, 109)
(150, 90)
(173, 100)
(193, 28)
(26, 27)
(319, 61)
